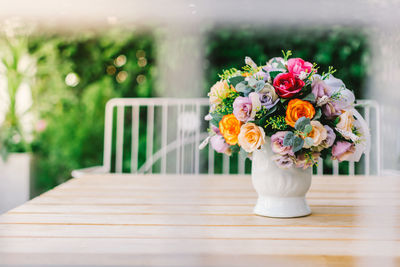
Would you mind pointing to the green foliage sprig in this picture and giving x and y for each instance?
(331, 71)
(226, 106)
(276, 123)
(286, 54)
(226, 74)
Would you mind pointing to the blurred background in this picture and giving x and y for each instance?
(61, 62)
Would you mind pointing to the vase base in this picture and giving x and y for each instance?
(286, 207)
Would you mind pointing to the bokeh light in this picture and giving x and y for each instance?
(121, 76)
(72, 79)
(120, 61)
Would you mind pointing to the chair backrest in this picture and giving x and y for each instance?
(163, 131)
(162, 135)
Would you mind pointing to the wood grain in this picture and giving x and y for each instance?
(169, 220)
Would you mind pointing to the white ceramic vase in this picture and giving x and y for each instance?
(281, 192)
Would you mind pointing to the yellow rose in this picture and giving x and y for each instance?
(251, 137)
(230, 128)
(318, 133)
(218, 92)
(346, 121)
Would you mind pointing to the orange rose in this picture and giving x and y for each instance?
(298, 108)
(230, 128)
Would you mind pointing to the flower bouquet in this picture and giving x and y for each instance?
(287, 114)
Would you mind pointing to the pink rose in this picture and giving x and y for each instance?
(277, 144)
(242, 108)
(297, 66)
(219, 145)
(342, 150)
(287, 85)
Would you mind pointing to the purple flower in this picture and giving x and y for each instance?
(330, 110)
(342, 150)
(242, 108)
(277, 144)
(218, 144)
(330, 138)
(332, 95)
(262, 75)
(268, 96)
(344, 98)
(319, 88)
(216, 129)
(275, 64)
(283, 161)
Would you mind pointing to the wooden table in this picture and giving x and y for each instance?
(128, 220)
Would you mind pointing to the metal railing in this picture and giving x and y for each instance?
(163, 135)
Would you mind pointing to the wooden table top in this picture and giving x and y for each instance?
(169, 220)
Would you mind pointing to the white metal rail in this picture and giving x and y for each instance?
(164, 135)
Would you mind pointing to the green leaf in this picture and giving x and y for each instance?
(235, 148)
(310, 97)
(318, 114)
(273, 74)
(336, 120)
(216, 118)
(259, 85)
(297, 144)
(262, 121)
(307, 129)
(309, 141)
(235, 80)
(243, 88)
(301, 123)
(288, 139)
(252, 81)
(271, 110)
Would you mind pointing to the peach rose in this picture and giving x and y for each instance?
(346, 121)
(230, 128)
(251, 137)
(298, 108)
(318, 133)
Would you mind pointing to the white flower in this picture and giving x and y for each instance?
(204, 143)
(250, 62)
(303, 75)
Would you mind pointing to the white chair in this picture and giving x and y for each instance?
(370, 163)
(170, 131)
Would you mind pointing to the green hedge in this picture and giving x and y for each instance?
(346, 49)
(75, 114)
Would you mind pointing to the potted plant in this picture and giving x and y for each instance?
(284, 116)
(17, 69)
